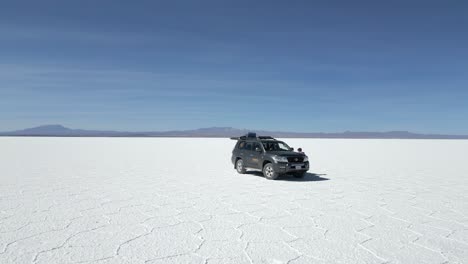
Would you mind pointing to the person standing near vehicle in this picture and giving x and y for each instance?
(300, 151)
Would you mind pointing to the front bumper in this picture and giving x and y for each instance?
(289, 167)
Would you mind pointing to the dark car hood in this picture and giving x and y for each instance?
(286, 153)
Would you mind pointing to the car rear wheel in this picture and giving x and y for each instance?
(240, 166)
(269, 172)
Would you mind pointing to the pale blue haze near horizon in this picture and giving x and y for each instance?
(321, 66)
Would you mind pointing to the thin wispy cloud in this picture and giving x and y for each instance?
(302, 66)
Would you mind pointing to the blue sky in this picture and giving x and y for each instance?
(280, 65)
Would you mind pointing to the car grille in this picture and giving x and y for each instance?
(295, 159)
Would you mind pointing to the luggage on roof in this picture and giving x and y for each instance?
(251, 135)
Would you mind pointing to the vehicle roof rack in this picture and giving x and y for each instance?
(252, 135)
(246, 136)
(265, 137)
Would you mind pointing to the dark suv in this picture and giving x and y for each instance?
(271, 156)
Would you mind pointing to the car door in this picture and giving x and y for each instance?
(247, 154)
(256, 156)
(240, 150)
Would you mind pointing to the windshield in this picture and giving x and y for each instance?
(275, 146)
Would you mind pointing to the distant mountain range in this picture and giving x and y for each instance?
(221, 132)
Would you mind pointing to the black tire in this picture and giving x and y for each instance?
(269, 172)
(240, 168)
(299, 175)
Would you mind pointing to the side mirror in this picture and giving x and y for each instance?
(258, 149)
(292, 149)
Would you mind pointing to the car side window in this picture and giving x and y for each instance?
(256, 145)
(248, 146)
(269, 146)
(241, 145)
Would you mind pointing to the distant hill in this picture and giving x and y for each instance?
(221, 132)
(59, 130)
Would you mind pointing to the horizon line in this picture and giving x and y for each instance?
(57, 130)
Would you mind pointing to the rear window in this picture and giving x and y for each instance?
(241, 145)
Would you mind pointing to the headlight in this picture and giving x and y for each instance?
(306, 158)
(280, 159)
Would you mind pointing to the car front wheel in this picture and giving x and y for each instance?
(269, 172)
(240, 166)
